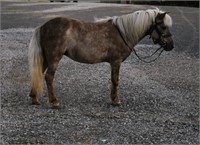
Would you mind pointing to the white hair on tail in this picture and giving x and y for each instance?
(133, 26)
(35, 59)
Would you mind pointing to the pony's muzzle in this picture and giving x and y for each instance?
(168, 44)
(168, 47)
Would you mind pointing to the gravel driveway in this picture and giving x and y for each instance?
(160, 101)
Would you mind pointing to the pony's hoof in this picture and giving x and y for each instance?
(55, 105)
(35, 103)
(118, 103)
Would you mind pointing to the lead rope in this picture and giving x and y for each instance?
(143, 58)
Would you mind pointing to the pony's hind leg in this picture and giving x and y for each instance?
(49, 76)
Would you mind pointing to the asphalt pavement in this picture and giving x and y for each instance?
(160, 101)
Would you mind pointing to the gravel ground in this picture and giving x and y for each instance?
(160, 101)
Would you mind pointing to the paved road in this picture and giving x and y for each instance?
(160, 101)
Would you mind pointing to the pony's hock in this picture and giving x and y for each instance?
(106, 40)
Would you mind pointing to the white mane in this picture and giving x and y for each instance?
(133, 26)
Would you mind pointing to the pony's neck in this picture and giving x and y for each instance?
(133, 27)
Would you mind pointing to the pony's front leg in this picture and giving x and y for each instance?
(115, 81)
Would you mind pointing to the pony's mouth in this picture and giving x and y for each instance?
(168, 47)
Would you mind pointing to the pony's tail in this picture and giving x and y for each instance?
(35, 58)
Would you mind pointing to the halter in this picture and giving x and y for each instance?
(154, 26)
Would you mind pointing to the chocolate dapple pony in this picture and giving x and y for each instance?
(106, 40)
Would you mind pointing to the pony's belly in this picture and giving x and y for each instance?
(87, 56)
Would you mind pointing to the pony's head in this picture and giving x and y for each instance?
(160, 33)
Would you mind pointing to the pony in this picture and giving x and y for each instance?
(110, 39)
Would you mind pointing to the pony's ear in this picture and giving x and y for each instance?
(160, 17)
